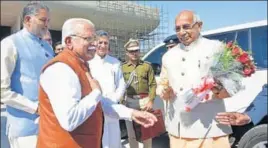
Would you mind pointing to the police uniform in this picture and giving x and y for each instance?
(141, 89)
(171, 41)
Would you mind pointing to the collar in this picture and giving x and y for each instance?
(97, 57)
(32, 36)
(140, 62)
(192, 45)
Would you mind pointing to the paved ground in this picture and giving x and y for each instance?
(158, 142)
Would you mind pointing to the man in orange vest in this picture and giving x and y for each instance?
(71, 105)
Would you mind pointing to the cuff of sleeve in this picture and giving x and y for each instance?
(128, 114)
(250, 115)
(97, 93)
(34, 108)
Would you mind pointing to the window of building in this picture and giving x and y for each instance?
(5, 31)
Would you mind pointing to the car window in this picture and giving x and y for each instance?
(242, 39)
(156, 55)
(259, 46)
(155, 58)
(225, 37)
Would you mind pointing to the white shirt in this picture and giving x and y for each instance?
(63, 88)
(8, 62)
(109, 74)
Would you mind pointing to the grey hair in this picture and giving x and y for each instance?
(101, 33)
(70, 27)
(196, 17)
(33, 8)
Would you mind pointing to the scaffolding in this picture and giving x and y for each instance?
(149, 34)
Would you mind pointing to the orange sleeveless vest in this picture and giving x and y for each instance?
(51, 134)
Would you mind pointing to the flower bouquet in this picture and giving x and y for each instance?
(227, 71)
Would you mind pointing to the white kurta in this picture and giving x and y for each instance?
(184, 67)
(110, 77)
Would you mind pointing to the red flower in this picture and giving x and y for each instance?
(247, 71)
(244, 58)
(236, 51)
(229, 44)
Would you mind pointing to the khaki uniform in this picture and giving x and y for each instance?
(141, 89)
(142, 85)
(144, 81)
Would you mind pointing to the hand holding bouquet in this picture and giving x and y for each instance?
(167, 92)
(226, 72)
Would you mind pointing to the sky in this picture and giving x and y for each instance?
(214, 14)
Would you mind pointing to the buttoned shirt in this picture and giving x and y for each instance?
(183, 67)
(63, 88)
(143, 82)
(108, 72)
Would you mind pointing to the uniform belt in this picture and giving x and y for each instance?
(139, 96)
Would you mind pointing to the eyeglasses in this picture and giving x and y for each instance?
(185, 27)
(88, 39)
(133, 51)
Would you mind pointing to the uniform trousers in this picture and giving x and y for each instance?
(136, 104)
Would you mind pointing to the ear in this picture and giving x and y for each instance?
(27, 19)
(200, 24)
(68, 42)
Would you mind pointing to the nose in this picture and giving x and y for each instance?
(46, 23)
(181, 32)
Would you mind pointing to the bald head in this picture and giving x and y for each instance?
(188, 26)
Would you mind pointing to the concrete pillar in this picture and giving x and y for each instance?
(17, 25)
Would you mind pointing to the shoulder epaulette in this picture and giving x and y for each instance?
(147, 62)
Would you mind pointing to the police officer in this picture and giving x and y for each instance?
(171, 41)
(141, 87)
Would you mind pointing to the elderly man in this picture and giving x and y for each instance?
(47, 37)
(107, 70)
(184, 66)
(141, 87)
(71, 103)
(171, 41)
(23, 55)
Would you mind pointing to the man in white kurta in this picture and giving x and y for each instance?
(183, 67)
(107, 70)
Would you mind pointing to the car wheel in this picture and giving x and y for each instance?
(254, 138)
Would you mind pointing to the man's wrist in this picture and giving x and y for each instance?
(248, 118)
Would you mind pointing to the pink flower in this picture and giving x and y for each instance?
(229, 44)
(236, 51)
